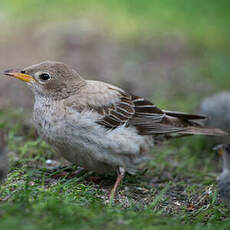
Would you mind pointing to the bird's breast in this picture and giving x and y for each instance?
(78, 137)
(49, 120)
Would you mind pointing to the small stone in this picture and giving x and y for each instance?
(52, 164)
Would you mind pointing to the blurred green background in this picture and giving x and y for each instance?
(175, 52)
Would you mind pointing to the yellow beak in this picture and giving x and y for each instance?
(21, 76)
(220, 152)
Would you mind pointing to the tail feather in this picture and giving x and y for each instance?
(186, 116)
(204, 131)
(190, 125)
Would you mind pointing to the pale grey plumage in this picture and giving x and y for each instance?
(76, 135)
(217, 107)
(97, 125)
(224, 178)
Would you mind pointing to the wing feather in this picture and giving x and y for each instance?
(118, 108)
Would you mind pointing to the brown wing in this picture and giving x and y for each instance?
(119, 108)
(117, 114)
(133, 110)
(130, 110)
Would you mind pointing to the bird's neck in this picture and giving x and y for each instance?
(42, 100)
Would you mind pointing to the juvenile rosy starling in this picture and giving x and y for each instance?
(98, 126)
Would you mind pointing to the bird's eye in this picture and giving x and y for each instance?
(44, 76)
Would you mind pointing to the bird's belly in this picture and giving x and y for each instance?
(82, 141)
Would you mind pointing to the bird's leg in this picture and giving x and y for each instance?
(120, 176)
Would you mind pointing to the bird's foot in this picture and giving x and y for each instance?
(120, 176)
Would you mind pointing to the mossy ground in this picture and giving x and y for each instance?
(178, 191)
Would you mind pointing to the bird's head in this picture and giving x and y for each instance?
(50, 79)
(222, 149)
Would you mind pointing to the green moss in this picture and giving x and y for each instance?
(32, 199)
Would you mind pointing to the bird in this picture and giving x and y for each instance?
(3, 159)
(217, 108)
(224, 178)
(96, 125)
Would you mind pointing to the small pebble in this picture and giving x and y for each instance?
(52, 164)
